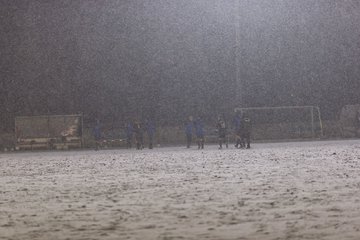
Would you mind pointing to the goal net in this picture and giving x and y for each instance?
(286, 122)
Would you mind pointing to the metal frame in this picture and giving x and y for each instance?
(81, 138)
(311, 108)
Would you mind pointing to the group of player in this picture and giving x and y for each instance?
(133, 130)
(136, 130)
(198, 126)
(242, 130)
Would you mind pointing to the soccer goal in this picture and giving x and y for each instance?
(284, 122)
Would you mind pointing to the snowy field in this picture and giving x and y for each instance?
(307, 190)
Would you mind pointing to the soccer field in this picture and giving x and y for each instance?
(306, 190)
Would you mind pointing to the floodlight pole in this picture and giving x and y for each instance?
(237, 53)
(320, 122)
(312, 122)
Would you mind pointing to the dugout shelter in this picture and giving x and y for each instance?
(49, 132)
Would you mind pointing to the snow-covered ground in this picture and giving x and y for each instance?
(307, 190)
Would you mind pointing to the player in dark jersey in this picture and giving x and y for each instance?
(221, 127)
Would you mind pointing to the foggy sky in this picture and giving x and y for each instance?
(168, 59)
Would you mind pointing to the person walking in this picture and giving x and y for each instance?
(188, 131)
(199, 131)
(129, 130)
(97, 135)
(139, 135)
(221, 127)
(237, 129)
(246, 127)
(150, 130)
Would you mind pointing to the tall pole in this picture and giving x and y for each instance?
(237, 54)
(312, 122)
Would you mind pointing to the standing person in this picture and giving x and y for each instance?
(188, 131)
(97, 135)
(150, 129)
(237, 129)
(221, 127)
(139, 135)
(246, 127)
(129, 134)
(199, 130)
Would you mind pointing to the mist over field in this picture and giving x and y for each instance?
(114, 60)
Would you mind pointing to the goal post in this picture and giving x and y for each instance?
(285, 122)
